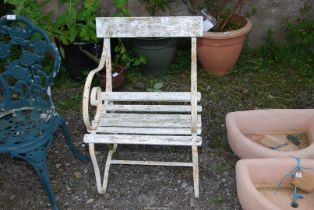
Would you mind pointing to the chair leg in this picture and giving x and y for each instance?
(101, 187)
(42, 172)
(38, 159)
(195, 171)
(69, 141)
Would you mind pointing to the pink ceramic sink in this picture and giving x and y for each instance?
(247, 129)
(257, 180)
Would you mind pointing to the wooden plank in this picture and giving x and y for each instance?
(143, 140)
(148, 120)
(174, 26)
(193, 87)
(151, 163)
(108, 65)
(150, 96)
(150, 108)
(145, 131)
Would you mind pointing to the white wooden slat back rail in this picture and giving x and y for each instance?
(144, 118)
(176, 26)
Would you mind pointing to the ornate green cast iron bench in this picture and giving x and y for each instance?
(28, 120)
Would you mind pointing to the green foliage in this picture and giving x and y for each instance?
(123, 55)
(156, 87)
(121, 6)
(154, 6)
(33, 10)
(223, 11)
(217, 200)
(77, 23)
(301, 33)
(296, 53)
(125, 58)
(222, 167)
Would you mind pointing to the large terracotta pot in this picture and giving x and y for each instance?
(219, 51)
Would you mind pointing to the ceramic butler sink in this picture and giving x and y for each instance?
(257, 180)
(247, 131)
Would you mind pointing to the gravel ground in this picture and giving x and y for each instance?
(137, 187)
(147, 187)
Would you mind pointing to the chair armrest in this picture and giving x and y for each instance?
(94, 97)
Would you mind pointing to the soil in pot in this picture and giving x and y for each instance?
(159, 53)
(218, 52)
(118, 77)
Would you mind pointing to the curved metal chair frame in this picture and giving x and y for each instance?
(28, 64)
(152, 118)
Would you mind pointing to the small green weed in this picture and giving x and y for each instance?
(222, 167)
(156, 87)
(218, 199)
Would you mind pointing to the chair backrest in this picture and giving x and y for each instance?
(28, 64)
(131, 27)
(175, 26)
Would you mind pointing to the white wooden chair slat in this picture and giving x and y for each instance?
(149, 96)
(150, 108)
(143, 140)
(146, 131)
(175, 26)
(145, 120)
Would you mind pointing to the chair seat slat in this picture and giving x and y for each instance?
(148, 120)
(149, 96)
(143, 139)
(146, 131)
(150, 108)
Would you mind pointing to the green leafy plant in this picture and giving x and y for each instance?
(154, 6)
(157, 87)
(77, 23)
(121, 7)
(221, 167)
(301, 32)
(34, 11)
(295, 54)
(224, 11)
(123, 55)
(125, 58)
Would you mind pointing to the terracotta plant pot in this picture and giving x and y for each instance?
(257, 180)
(118, 77)
(219, 51)
(271, 133)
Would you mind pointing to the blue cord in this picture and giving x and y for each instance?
(296, 195)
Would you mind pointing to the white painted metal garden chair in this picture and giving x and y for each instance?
(173, 120)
